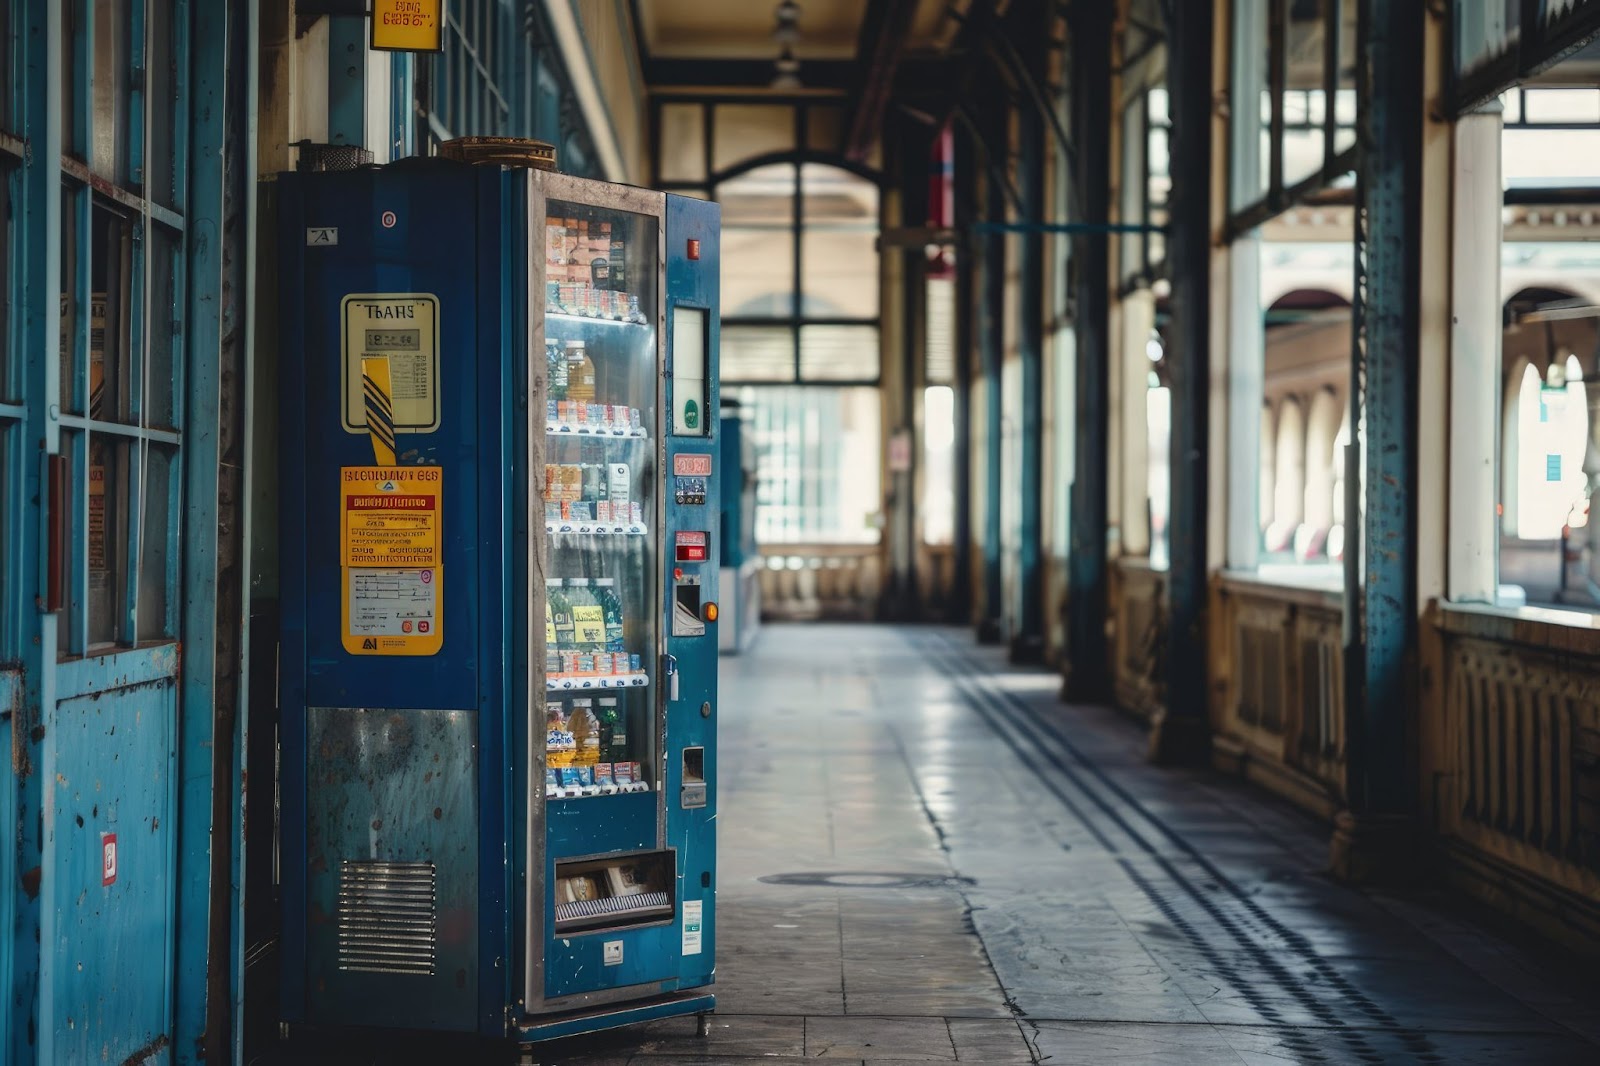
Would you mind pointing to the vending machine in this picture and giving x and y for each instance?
(741, 559)
(499, 472)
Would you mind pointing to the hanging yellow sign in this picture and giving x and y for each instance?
(390, 559)
(408, 25)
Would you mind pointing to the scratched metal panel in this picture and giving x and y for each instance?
(393, 786)
(108, 767)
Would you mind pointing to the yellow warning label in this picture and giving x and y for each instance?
(401, 332)
(390, 559)
(407, 25)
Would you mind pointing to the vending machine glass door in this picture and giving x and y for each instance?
(596, 862)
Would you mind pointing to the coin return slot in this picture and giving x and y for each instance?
(615, 891)
(694, 777)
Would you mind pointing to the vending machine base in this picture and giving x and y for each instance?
(531, 1033)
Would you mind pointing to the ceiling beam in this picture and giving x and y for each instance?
(662, 73)
(884, 32)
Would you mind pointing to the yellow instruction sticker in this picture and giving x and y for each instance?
(401, 330)
(390, 558)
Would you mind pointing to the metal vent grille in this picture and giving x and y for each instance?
(388, 917)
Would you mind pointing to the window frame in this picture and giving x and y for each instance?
(1244, 121)
(88, 195)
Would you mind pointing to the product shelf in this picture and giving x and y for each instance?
(597, 529)
(587, 682)
(590, 791)
(591, 320)
(570, 429)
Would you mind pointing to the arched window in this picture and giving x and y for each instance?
(1552, 435)
(1322, 434)
(799, 274)
(1289, 482)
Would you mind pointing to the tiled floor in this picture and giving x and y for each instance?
(926, 857)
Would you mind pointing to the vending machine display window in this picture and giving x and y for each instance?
(602, 374)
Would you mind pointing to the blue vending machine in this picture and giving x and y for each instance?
(499, 537)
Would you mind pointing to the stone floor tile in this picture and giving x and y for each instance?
(918, 1039)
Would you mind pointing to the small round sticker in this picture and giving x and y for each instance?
(427, 576)
(389, 220)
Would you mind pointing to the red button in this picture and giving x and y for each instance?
(694, 248)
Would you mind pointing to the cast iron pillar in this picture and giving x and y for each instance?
(901, 599)
(1027, 644)
(1180, 733)
(991, 327)
(1087, 675)
(1372, 837)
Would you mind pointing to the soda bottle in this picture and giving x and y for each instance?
(613, 731)
(556, 367)
(559, 745)
(585, 733)
(580, 373)
(559, 631)
(611, 610)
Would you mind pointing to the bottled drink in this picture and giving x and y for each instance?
(559, 744)
(585, 733)
(619, 258)
(560, 632)
(611, 609)
(556, 367)
(580, 373)
(588, 617)
(613, 731)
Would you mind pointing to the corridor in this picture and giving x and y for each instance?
(926, 857)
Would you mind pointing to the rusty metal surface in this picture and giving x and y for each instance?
(396, 786)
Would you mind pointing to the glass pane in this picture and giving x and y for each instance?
(683, 142)
(939, 357)
(1344, 103)
(838, 249)
(1252, 110)
(744, 131)
(158, 525)
(839, 353)
(1563, 105)
(600, 480)
(758, 271)
(818, 460)
(1133, 183)
(1304, 98)
(1158, 163)
(108, 147)
(757, 353)
(111, 322)
(758, 243)
(105, 537)
(160, 383)
(938, 504)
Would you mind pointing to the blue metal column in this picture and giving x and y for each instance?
(212, 612)
(36, 230)
(1087, 674)
(1180, 730)
(347, 80)
(1027, 645)
(1380, 615)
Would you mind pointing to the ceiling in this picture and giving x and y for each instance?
(742, 29)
